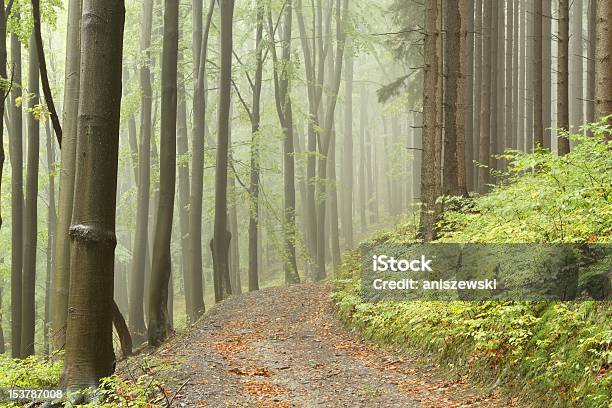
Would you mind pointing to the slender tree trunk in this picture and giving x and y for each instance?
(563, 119)
(576, 56)
(603, 61)
(197, 176)
(30, 217)
(333, 204)
(509, 117)
(529, 74)
(221, 237)
(182, 144)
(347, 163)
(430, 179)
(161, 265)
(51, 228)
(255, 143)
(61, 270)
(16, 153)
(493, 88)
(538, 122)
(477, 85)
(516, 102)
(590, 87)
(140, 259)
(547, 71)
(89, 345)
(3, 75)
(499, 128)
(362, 158)
(485, 99)
(468, 55)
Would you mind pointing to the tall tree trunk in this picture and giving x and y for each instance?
(529, 74)
(485, 99)
(161, 265)
(547, 71)
(538, 122)
(347, 162)
(61, 270)
(494, 89)
(603, 61)
(16, 153)
(197, 177)
(499, 128)
(139, 262)
(477, 85)
(221, 236)
(454, 105)
(182, 144)
(576, 96)
(363, 114)
(255, 143)
(89, 343)
(3, 75)
(469, 55)
(563, 118)
(30, 216)
(51, 228)
(590, 85)
(516, 102)
(509, 65)
(430, 179)
(333, 204)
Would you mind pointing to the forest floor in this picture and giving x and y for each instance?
(283, 347)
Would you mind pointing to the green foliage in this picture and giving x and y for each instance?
(32, 372)
(559, 353)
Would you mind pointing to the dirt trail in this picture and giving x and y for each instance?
(283, 347)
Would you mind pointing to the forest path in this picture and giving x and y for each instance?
(283, 347)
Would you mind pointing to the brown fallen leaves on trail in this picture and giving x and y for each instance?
(262, 388)
(231, 345)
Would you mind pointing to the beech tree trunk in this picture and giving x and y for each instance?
(139, 262)
(603, 61)
(485, 99)
(538, 121)
(89, 345)
(221, 236)
(161, 264)
(591, 52)
(576, 57)
(17, 203)
(28, 304)
(347, 163)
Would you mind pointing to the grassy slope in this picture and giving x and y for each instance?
(560, 353)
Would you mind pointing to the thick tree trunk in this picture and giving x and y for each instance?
(61, 270)
(30, 216)
(430, 179)
(161, 265)
(16, 153)
(89, 343)
(563, 118)
(197, 176)
(140, 259)
(221, 236)
(603, 61)
(485, 99)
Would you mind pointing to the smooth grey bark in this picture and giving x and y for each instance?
(547, 71)
(30, 235)
(255, 144)
(563, 106)
(161, 264)
(17, 203)
(529, 75)
(523, 98)
(333, 204)
(363, 117)
(509, 65)
(347, 162)
(477, 86)
(469, 62)
(89, 343)
(136, 318)
(61, 270)
(197, 177)
(51, 228)
(430, 179)
(494, 86)
(221, 236)
(516, 103)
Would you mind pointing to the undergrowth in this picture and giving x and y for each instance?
(549, 354)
